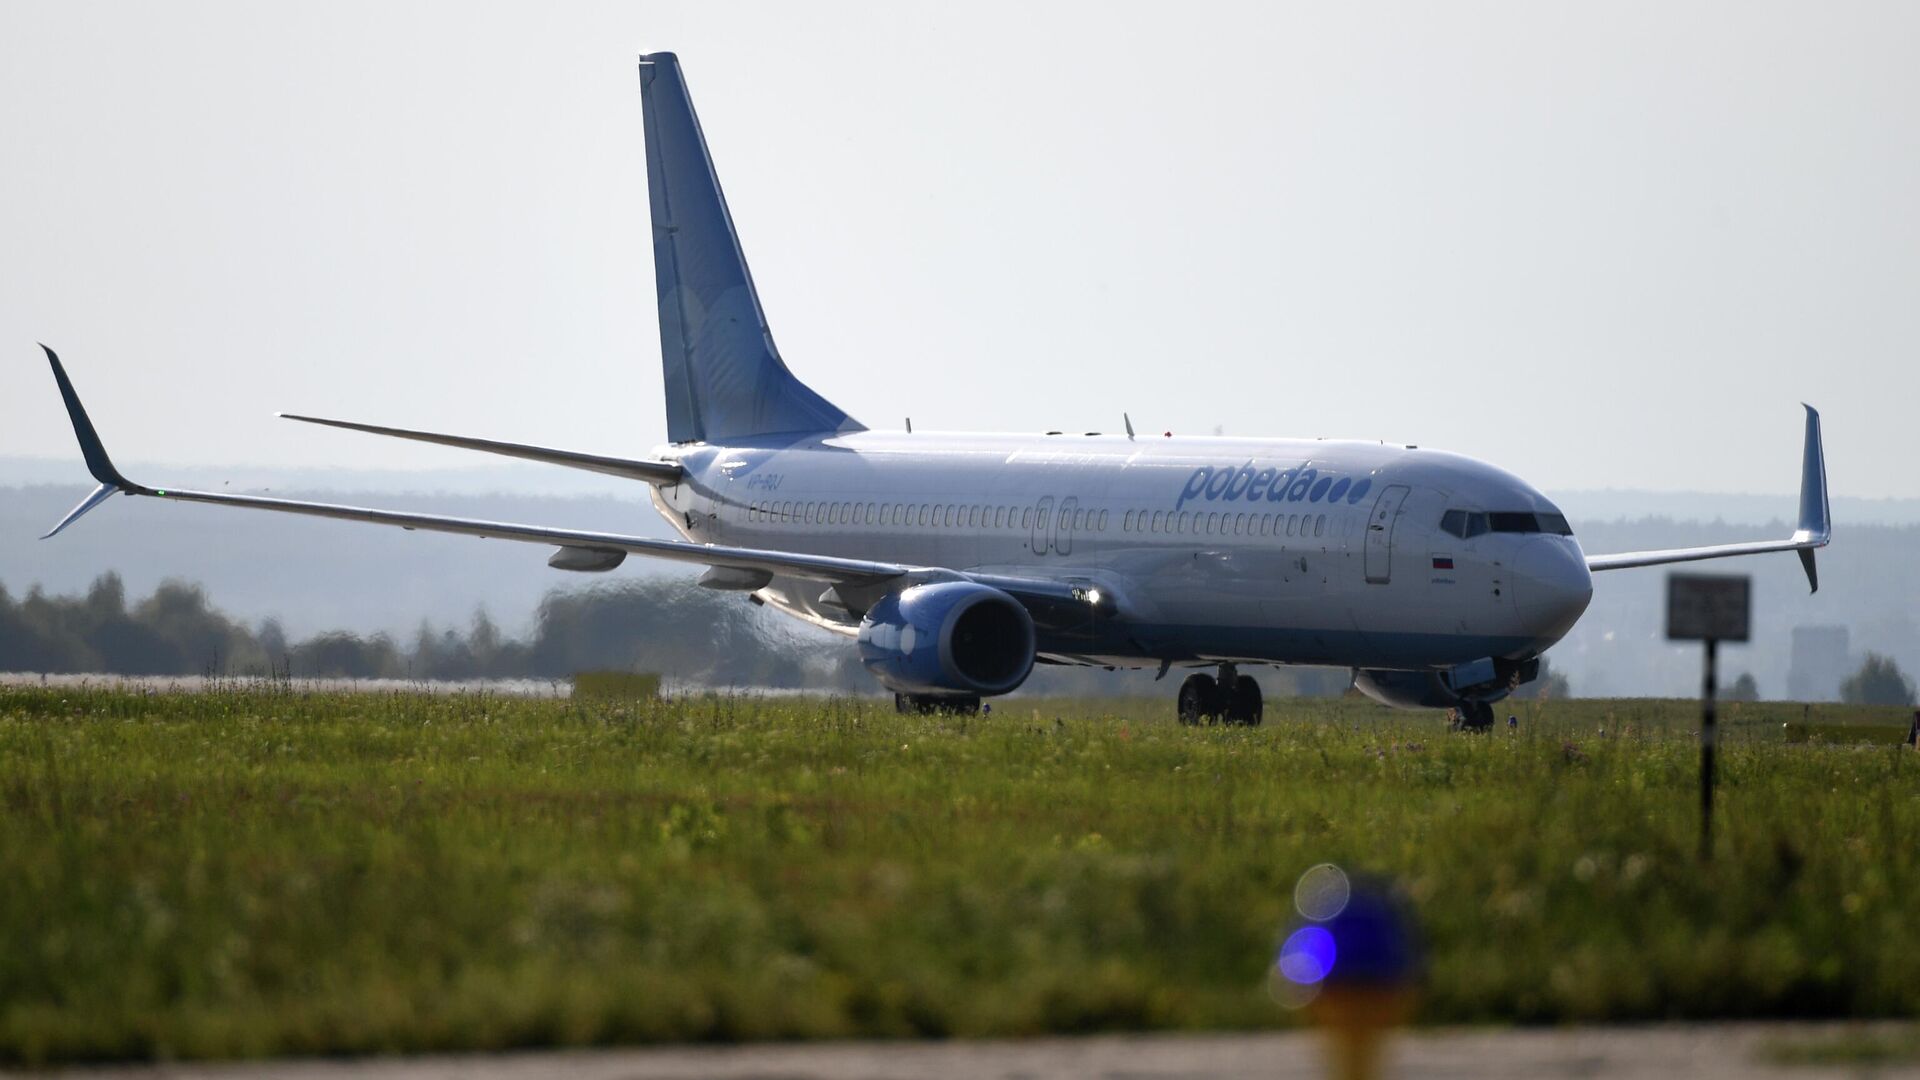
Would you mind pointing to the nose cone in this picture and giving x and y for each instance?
(1551, 587)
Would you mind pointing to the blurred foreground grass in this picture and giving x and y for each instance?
(265, 871)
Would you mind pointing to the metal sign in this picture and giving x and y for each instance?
(1708, 607)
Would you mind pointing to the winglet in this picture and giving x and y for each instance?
(1816, 519)
(91, 448)
(98, 463)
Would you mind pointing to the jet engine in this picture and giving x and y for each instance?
(1483, 681)
(952, 638)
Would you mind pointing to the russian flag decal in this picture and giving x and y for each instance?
(1443, 562)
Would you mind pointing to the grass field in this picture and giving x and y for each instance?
(266, 871)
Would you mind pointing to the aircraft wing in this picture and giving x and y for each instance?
(1814, 531)
(653, 472)
(817, 567)
(1049, 600)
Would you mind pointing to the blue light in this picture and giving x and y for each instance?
(1308, 955)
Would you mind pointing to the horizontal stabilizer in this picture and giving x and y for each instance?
(653, 472)
(1814, 531)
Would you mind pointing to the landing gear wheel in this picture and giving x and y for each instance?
(1475, 716)
(1199, 703)
(928, 704)
(1246, 707)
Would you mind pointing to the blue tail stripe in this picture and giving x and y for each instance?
(724, 377)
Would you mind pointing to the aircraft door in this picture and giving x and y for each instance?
(1386, 510)
(1063, 527)
(1041, 512)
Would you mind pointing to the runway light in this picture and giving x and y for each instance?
(1308, 955)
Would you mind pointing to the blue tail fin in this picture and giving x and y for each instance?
(724, 378)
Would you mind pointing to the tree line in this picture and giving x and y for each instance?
(646, 624)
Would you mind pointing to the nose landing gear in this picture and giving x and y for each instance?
(1233, 698)
(1472, 716)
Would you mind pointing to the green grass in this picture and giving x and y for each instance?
(261, 872)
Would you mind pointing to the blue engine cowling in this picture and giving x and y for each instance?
(954, 638)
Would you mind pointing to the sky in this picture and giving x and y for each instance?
(1605, 246)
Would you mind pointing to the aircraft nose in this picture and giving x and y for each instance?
(1551, 587)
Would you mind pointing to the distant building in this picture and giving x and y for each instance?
(1822, 657)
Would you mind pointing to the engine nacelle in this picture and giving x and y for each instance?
(952, 637)
(1406, 689)
(1482, 680)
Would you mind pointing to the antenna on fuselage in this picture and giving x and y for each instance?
(909, 425)
(1129, 422)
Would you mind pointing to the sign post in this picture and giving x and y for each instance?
(1710, 608)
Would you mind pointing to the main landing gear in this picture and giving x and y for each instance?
(1472, 716)
(1233, 698)
(925, 704)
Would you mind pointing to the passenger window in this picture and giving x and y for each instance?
(1102, 526)
(1026, 518)
(1320, 525)
(1126, 521)
(1159, 519)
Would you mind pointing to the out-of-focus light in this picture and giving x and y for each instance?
(1093, 597)
(1307, 956)
(1322, 893)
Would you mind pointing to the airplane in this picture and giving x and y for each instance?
(959, 561)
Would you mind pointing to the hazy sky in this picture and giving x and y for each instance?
(1604, 245)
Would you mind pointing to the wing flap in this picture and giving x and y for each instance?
(817, 567)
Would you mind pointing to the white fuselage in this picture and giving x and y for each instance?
(1214, 549)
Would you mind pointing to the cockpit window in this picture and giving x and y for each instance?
(1530, 523)
(1463, 523)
